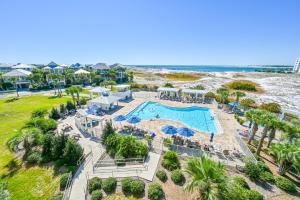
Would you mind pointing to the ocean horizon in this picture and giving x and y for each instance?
(218, 68)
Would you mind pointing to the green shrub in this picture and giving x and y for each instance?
(285, 184)
(54, 114)
(44, 124)
(170, 161)
(169, 85)
(57, 196)
(34, 157)
(271, 107)
(254, 195)
(252, 170)
(177, 176)
(40, 113)
(133, 186)
(109, 185)
(70, 106)
(63, 181)
(242, 85)
(241, 182)
(167, 142)
(267, 177)
(96, 195)
(210, 95)
(162, 175)
(126, 185)
(263, 167)
(72, 152)
(94, 183)
(155, 192)
(83, 101)
(137, 187)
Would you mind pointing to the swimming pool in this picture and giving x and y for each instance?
(198, 118)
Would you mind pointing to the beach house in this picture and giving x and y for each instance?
(18, 78)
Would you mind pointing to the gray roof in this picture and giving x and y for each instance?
(100, 66)
(16, 73)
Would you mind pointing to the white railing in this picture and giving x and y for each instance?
(245, 148)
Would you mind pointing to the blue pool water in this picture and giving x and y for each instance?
(198, 118)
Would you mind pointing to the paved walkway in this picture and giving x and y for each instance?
(81, 177)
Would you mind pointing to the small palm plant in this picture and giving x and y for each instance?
(238, 95)
(206, 177)
(287, 155)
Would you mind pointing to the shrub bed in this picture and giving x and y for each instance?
(177, 177)
(94, 183)
(267, 177)
(241, 181)
(162, 175)
(170, 161)
(242, 85)
(96, 195)
(109, 185)
(155, 192)
(133, 186)
(285, 184)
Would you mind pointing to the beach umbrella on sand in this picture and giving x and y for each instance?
(134, 120)
(168, 129)
(186, 132)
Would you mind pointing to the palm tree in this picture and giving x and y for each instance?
(292, 131)
(253, 116)
(71, 91)
(268, 120)
(278, 125)
(238, 94)
(206, 175)
(287, 155)
(224, 93)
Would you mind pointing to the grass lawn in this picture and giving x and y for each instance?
(180, 76)
(31, 183)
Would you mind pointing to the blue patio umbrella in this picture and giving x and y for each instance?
(168, 129)
(134, 120)
(120, 118)
(234, 104)
(186, 132)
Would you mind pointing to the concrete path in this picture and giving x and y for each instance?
(81, 177)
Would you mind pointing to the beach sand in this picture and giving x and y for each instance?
(281, 88)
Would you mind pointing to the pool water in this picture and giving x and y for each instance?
(198, 118)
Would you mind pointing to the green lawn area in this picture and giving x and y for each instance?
(31, 183)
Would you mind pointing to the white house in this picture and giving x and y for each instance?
(24, 67)
(18, 77)
(296, 68)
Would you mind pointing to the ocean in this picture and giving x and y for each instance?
(219, 68)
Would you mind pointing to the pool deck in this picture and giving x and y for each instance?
(224, 121)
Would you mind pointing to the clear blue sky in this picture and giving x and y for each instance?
(150, 31)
